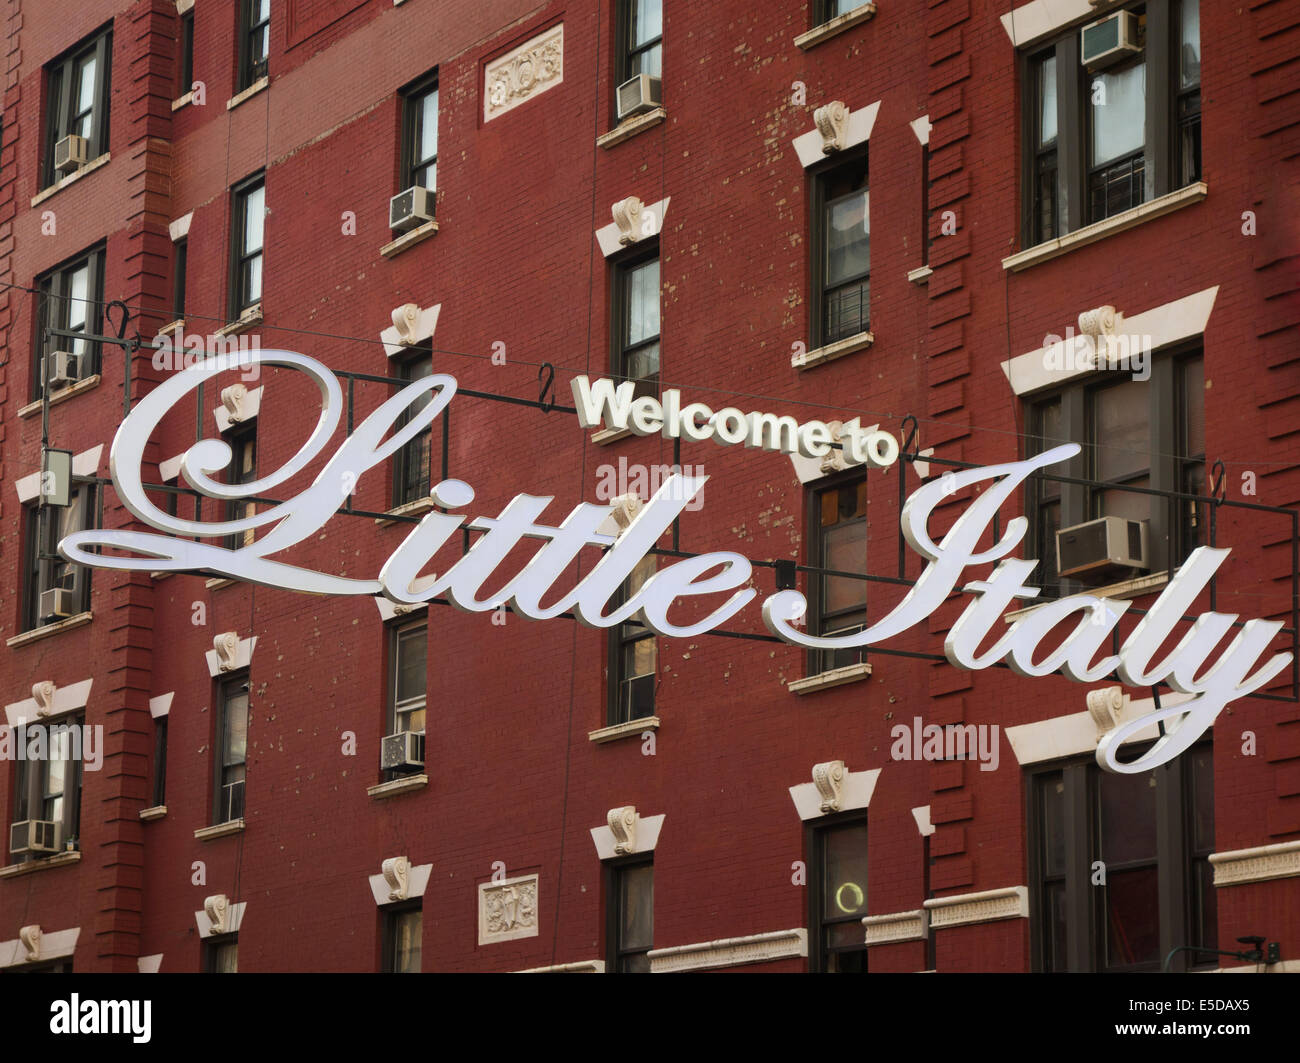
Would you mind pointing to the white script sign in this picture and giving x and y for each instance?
(1186, 669)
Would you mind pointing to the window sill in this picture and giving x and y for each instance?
(610, 435)
(850, 673)
(920, 276)
(630, 729)
(184, 101)
(172, 326)
(63, 182)
(630, 127)
(1122, 591)
(218, 583)
(248, 93)
(409, 239)
(36, 634)
(220, 830)
(160, 575)
(62, 395)
(393, 787)
(828, 353)
(156, 812)
(1089, 234)
(247, 320)
(407, 509)
(47, 864)
(835, 26)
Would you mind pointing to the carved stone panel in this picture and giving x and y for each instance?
(507, 910)
(524, 73)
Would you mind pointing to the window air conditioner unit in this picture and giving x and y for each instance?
(402, 750)
(65, 368)
(1100, 547)
(639, 94)
(1110, 39)
(413, 207)
(70, 153)
(56, 603)
(34, 836)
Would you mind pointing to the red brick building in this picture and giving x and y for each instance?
(602, 799)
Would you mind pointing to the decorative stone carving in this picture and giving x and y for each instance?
(507, 910)
(833, 461)
(234, 399)
(832, 121)
(43, 694)
(622, 821)
(627, 216)
(531, 69)
(1105, 706)
(30, 936)
(1100, 326)
(626, 507)
(397, 871)
(1260, 864)
(402, 608)
(218, 913)
(829, 780)
(406, 319)
(227, 646)
(1010, 902)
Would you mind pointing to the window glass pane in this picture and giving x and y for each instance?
(253, 280)
(1127, 504)
(646, 18)
(254, 216)
(408, 931)
(1121, 431)
(1047, 101)
(1132, 917)
(427, 144)
(847, 935)
(845, 549)
(1118, 113)
(263, 8)
(226, 960)
(848, 238)
(844, 875)
(236, 728)
(636, 905)
(1052, 795)
(1201, 768)
(77, 307)
(412, 655)
(1128, 817)
(643, 302)
(1189, 51)
(1194, 415)
(1056, 958)
(649, 62)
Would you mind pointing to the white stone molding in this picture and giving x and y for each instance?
(410, 326)
(219, 916)
(238, 406)
(170, 469)
(576, 967)
(832, 122)
(396, 871)
(68, 698)
(84, 464)
(1010, 902)
(1039, 18)
(180, 228)
(855, 129)
(1068, 736)
(829, 780)
(807, 470)
(854, 792)
(417, 881)
(57, 945)
(230, 653)
(507, 910)
(897, 926)
(921, 127)
(731, 952)
(622, 824)
(1106, 706)
(43, 694)
(391, 610)
(624, 511)
(149, 964)
(923, 824)
(524, 73)
(641, 836)
(648, 222)
(161, 705)
(1260, 864)
(30, 939)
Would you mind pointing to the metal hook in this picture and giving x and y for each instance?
(1219, 485)
(548, 386)
(126, 316)
(910, 438)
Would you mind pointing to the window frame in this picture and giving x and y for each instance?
(616, 956)
(815, 832)
(252, 70)
(180, 266)
(816, 658)
(394, 634)
(29, 787)
(239, 254)
(225, 685)
(619, 638)
(412, 98)
(390, 916)
(621, 346)
(185, 62)
(58, 76)
(39, 574)
(628, 51)
(159, 788)
(240, 438)
(212, 949)
(54, 310)
(403, 486)
(822, 176)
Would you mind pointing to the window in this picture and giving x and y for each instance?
(841, 251)
(630, 903)
(254, 41)
(642, 32)
(186, 62)
(49, 789)
(181, 251)
(232, 749)
(420, 136)
(829, 9)
(1103, 142)
(247, 217)
(1120, 864)
(57, 589)
(838, 895)
(70, 299)
(636, 323)
(927, 241)
(221, 954)
(77, 98)
(403, 931)
(242, 440)
(160, 761)
(633, 658)
(1136, 433)
(839, 603)
(412, 464)
(408, 654)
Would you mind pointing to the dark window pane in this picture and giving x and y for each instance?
(407, 929)
(1052, 809)
(412, 653)
(235, 742)
(1128, 817)
(844, 875)
(1132, 917)
(1121, 431)
(848, 238)
(1189, 48)
(636, 905)
(1057, 957)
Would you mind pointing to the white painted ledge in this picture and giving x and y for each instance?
(33, 409)
(156, 812)
(836, 677)
(1077, 733)
(220, 830)
(54, 945)
(630, 729)
(248, 93)
(1010, 902)
(630, 127)
(250, 318)
(835, 26)
(393, 787)
(855, 793)
(920, 276)
(1122, 591)
(897, 927)
(610, 435)
(407, 509)
(1261, 864)
(36, 634)
(47, 863)
(72, 178)
(183, 101)
(577, 967)
(831, 351)
(409, 239)
(731, 952)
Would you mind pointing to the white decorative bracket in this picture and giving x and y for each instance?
(43, 695)
(227, 646)
(406, 320)
(829, 780)
(1106, 706)
(217, 909)
(622, 821)
(235, 400)
(30, 936)
(832, 121)
(411, 325)
(396, 871)
(627, 216)
(626, 507)
(833, 461)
